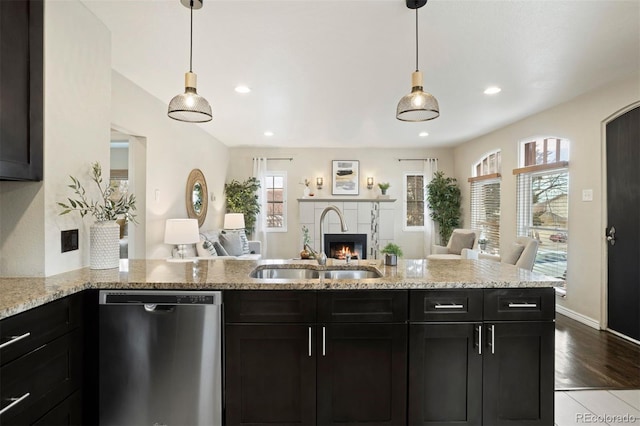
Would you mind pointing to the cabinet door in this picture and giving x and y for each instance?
(518, 373)
(21, 85)
(362, 370)
(270, 374)
(67, 413)
(445, 374)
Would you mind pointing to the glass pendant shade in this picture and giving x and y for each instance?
(189, 106)
(417, 105)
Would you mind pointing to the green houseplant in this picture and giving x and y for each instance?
(242, 197)
(383, 187)
(104, 234)
(444, 199)
(391, 253)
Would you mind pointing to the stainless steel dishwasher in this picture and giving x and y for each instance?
(160, 358)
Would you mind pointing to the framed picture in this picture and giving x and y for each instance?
(346, 175)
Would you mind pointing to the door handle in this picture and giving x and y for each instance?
(479, 330)
(309, 341)
(492, 342)
(611, 235)
(324, 342)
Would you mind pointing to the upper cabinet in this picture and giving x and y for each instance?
(21, 90)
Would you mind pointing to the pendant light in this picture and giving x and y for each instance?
(417, 105)
(189, 106)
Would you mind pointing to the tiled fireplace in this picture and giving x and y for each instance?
(338, 246)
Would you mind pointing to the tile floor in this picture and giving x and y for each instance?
(597, 407)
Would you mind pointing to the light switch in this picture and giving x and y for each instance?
(587, 195)
(157, 195)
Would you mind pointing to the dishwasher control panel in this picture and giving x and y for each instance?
(159, 297)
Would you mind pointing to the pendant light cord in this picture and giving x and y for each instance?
(191, 40)
(417, 69)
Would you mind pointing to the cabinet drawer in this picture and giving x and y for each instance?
(362, 306)
(446, 305)
(47, 375)
(33, 328)
(526, 304)
(269, 306)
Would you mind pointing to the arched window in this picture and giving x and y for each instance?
(485, 200)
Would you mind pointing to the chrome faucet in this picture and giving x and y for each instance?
(322, 257)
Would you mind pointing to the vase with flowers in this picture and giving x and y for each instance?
(104, 249)
(306, 239)
(307, 189)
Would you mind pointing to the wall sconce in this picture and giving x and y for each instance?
(369, 183)
(319, 182)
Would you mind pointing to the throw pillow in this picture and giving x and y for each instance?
(219, 249)
(205, 248)
(244, 241)
(460, 240)
(231, 242)
(512, 256)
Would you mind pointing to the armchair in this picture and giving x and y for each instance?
(460, 241)
(521, 253)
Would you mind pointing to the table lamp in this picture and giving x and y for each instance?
(233, 221)
(181, 232)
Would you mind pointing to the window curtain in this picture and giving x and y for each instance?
(260, 172)
(429, 168)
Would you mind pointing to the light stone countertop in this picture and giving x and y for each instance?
(23, 293)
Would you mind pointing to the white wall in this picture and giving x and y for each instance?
(580, 121)
(382, 164)
(77, 56)
(173, 150)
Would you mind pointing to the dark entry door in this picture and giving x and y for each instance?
(623, 212)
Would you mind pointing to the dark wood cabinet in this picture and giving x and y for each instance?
(362, 374)
(42, 361)
(21, 90)
(282, 367)
(445, 374)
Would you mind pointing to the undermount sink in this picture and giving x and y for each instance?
(307, 273)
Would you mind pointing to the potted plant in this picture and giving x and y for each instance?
(104, 249)
(391, 253)
(306, 239)
(383, 187)
(242, 197)
(443, 197)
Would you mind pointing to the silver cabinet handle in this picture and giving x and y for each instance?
(15, 401)
(479, 340)
(323, 342)
(492, 344)
(451, 306)
(523, 305)
(309, 341)
(14, 339)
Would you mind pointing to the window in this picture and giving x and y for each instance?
(414, 201)
(543, 202)
(485, 200)
(276, 203)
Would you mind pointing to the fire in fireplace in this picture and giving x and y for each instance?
(337, 246)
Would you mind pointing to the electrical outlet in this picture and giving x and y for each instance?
(587, 195)
(69, 240)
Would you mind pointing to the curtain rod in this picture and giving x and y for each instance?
(416, 159)
(277, 158)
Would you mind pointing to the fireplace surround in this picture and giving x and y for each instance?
(337, 245)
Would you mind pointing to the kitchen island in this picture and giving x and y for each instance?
(465, 342)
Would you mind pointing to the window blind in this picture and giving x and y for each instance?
(485, 211)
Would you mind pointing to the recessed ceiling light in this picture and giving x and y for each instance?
(423, 134)
(242, 89)
(268, 133)
(492, 90)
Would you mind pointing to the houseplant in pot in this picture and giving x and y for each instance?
(104, 249)
(383, 189)
(391, 253)
(443, 197)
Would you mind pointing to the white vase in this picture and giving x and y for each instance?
(307, 192)
(104, 247)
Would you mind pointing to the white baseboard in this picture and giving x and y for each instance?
(578, 317)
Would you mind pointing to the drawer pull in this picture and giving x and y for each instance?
(523, 305)
(450, 306)
(14, 339)
(324, 342)
(309, 341)
(14, 402)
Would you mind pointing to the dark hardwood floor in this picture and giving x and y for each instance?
(588, 358)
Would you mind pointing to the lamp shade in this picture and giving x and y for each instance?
(181, 231)
(233, 221)
(189, 106)
(417, 105)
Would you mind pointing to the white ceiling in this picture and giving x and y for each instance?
(329, 73)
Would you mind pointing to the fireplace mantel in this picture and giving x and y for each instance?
(348, 200)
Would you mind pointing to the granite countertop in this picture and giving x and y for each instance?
(20, 294)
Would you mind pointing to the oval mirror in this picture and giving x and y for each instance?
(196, 196)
